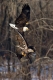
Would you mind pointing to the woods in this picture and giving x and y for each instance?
(39, 38)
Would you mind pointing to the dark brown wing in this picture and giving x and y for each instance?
(21, 20)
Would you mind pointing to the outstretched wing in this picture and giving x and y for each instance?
(18, 40)
(24, 16)
(21, 20)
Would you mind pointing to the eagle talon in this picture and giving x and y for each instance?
(23, 54)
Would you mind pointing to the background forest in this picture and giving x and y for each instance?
(37, 65)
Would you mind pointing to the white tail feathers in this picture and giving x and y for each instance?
(13, 26)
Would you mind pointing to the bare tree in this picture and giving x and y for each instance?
(39, 37)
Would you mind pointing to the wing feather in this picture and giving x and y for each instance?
(18, 40)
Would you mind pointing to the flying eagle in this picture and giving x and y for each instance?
(20, 44)
(23, 19)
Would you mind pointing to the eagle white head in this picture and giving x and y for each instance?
(25, 29)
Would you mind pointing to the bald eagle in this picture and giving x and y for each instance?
(23, 19)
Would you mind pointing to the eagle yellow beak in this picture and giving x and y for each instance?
(27, 23)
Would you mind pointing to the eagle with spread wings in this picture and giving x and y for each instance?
(22, 20)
